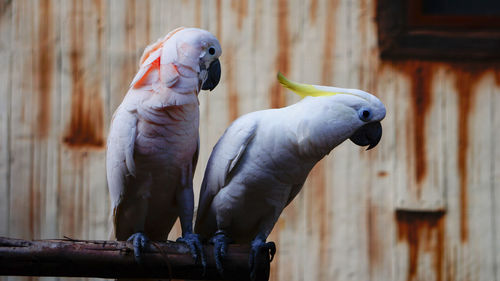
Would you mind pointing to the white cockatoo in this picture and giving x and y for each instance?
(153, 142)
(262, 161)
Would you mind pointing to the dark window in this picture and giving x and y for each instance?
(461, 7)
(439, 29)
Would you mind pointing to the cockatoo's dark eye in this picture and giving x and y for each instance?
(365, 114)
(211, 51)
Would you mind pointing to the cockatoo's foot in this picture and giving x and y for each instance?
(220, 241)
(258, 245)
(139, 240)
(196, 248)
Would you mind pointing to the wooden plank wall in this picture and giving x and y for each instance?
(423, 205)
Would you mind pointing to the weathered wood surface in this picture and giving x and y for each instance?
(423, 205)
(115, 259)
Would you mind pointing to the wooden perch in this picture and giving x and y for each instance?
(115, 259)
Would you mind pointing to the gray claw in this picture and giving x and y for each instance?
(259, 245)
(139, 241)
(220, 241)
(195, 247)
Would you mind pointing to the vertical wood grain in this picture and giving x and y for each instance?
(495, 163)
(6, 16)
(82, 178)
(421, 181)
(22, 201)
(380, 203)
(99, 205)
(379, 208)
(47, 123)
(24, 193)
(470, 213)
(479, 209)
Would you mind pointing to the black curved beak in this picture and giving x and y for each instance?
(213, 76)
(369, 134)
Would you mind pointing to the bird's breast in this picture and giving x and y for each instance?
(170, 138)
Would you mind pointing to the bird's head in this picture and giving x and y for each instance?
(353, 113)
(202, 46)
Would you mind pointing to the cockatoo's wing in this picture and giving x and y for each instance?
(120, 164)
(224, 158)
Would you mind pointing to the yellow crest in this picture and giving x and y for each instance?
(304, 90)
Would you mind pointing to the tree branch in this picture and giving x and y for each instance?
(115, 259)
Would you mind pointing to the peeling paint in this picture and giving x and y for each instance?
(86, 124)
(382, 174)
(329, 44)
(313, 11)
(241, 9)
(368, 74)
(466, 78)
(277, 93)
(420, 75)
(467, 75)
(45, 64)
(424, 232)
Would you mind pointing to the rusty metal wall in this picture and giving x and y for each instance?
(423, 205)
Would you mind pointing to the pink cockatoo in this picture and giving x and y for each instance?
(153, 141)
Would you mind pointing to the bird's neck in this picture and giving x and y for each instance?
(173, 114)
(317, 135)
